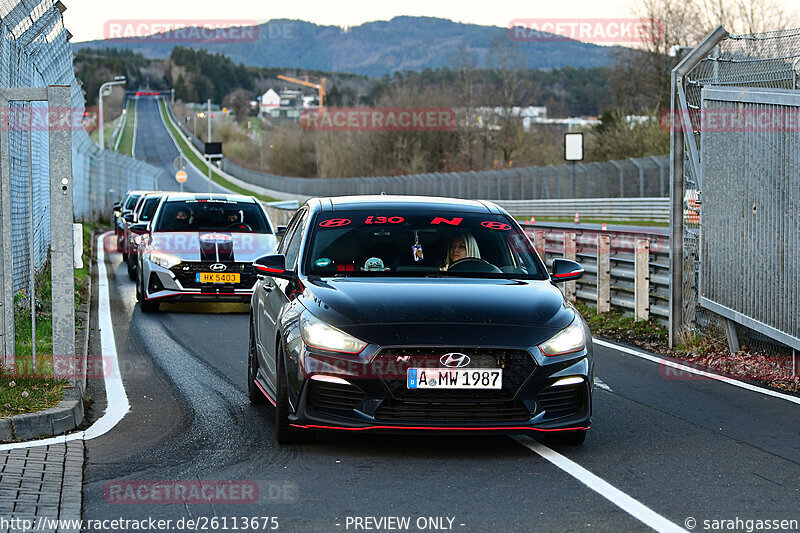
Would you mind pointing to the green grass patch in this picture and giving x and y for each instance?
(32, 387)
(126, 143)
(650, 223)
(198, 162)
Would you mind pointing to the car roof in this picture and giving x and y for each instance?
(214, 197)
(387, 201)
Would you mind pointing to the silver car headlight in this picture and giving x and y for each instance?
(318, 334)
(568, 340)
(164, 260)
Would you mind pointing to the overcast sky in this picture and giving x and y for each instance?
(86, 18)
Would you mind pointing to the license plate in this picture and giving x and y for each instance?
(443, 378)
(217, 277)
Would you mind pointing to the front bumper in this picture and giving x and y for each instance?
(365, 401)
(163, 285)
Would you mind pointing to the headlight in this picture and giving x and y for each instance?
(568, 340)
(164, 260)
(318, 334)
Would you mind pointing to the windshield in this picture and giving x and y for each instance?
(149, 208)
(130, 203)
(376, 242)
(205, 215)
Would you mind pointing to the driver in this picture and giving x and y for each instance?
(181, 219)
(462, 245)
(232, 218)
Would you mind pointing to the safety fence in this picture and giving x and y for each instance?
(630, 178)
(37, 139)
(736, 191)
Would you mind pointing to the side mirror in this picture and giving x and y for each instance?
(127, 217)
(116, 206)
(281, 232)
(273, 266)
(565, 270)
(140, 228)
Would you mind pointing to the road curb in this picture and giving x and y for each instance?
(68, 414)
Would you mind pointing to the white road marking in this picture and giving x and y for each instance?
(628, 504)
(600, 385)
(709, 375)
(117, 401)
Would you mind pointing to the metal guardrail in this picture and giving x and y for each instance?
(622, 264)
(609, 209)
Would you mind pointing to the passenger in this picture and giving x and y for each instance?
(462, 245)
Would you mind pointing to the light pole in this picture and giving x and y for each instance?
(105, 90)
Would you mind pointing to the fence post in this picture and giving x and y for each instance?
(61, 236)
(603, 273)
(641, 290)
(540, 242)
(569, 253)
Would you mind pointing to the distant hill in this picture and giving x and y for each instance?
(373, 48)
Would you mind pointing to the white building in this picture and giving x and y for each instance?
(269, 100)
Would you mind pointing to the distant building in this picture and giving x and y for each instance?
(269, 100)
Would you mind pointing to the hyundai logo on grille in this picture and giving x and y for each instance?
(218, 267)
(454, 360)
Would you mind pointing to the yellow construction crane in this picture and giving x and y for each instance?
(319, 86)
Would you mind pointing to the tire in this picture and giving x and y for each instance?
(131, 269)
(284, 432)
(255, 395)
(566, 438)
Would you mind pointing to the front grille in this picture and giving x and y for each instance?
(391, 365)
(450, 413)
(561, 401)
(323, 395)
(186, 273)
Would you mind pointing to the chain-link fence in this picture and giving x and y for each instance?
(738, 147)
(645, 177)
(35, 52)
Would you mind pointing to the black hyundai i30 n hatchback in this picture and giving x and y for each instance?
(414, 314)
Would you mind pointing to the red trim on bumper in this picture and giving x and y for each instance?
(432, 428)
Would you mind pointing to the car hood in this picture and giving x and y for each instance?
(403, 311)
(221, 246)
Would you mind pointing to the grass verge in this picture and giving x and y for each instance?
(198, 162)
(705, 353)
(571, 220)
(126, 143)
(30, 387)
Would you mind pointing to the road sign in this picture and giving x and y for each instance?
(180, 163)
(181, 176)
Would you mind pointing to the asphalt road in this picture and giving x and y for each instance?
(661, 449)
(155, 146)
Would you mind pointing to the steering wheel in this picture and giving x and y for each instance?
(473, 264)
(240, 225)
